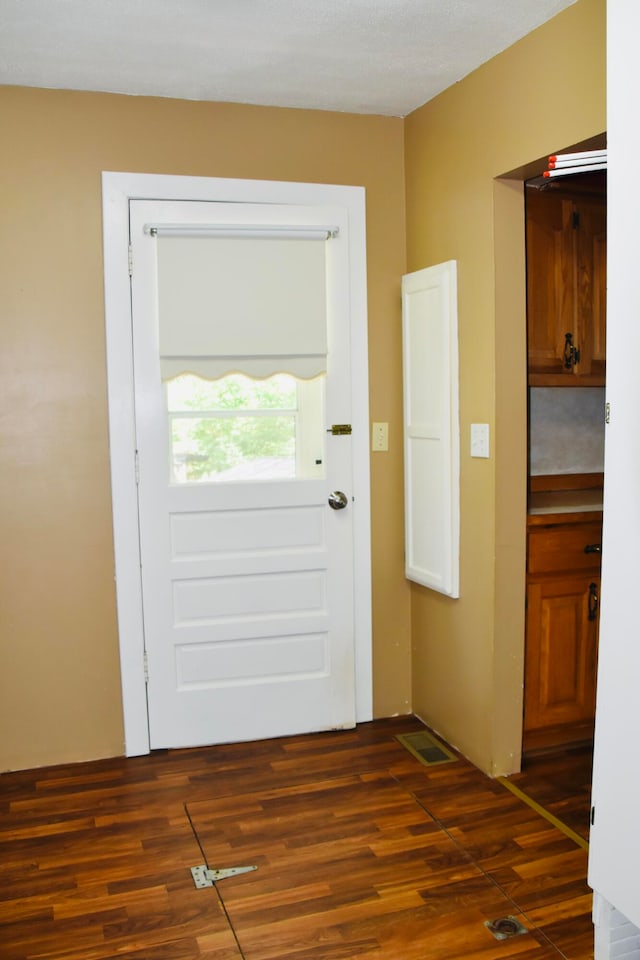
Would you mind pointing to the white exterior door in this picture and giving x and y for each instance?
(247, 582)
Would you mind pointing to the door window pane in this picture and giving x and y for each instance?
(238, 428)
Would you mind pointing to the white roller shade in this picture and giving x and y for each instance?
(241, 304)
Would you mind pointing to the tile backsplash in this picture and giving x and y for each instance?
(566, 430)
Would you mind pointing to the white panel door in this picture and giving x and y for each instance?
(247, 584)
(431, 427)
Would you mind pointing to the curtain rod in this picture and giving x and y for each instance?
(249, 231)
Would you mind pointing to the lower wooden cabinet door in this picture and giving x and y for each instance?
(560, 657)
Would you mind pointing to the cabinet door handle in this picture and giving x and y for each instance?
(593, 548)
(571, 352)
(593, 601)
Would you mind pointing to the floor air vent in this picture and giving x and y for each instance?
(505, 927)
(426, 748)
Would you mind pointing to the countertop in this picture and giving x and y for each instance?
(565, 501)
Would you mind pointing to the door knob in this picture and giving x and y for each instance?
(337, 500)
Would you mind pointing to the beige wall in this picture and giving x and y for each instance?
(541, 95)
(59, 683)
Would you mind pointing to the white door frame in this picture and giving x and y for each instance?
(117, 190)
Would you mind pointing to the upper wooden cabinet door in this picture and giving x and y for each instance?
(566, 288)
(550, 280)
(591, 285)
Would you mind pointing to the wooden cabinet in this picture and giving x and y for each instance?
(566, 321)
(566, 285)
(563, 590)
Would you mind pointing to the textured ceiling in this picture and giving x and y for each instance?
(363, 56)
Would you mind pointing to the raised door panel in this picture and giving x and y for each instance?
(431, 427)
(561, 650)
(550, 281)
(591, 286)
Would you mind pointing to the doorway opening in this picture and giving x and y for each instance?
(512, 422)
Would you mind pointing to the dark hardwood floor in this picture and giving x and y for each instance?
(361, 852)
(561, 782)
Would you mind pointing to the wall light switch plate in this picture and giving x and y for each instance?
(480, 440)
(380, 436)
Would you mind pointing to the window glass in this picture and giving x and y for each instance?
(238, 428)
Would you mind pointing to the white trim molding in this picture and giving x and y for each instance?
(117, 190)
(615, 937)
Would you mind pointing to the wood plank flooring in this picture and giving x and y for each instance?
(561, 782)
(361, 852)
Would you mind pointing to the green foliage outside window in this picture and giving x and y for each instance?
(263, 425)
